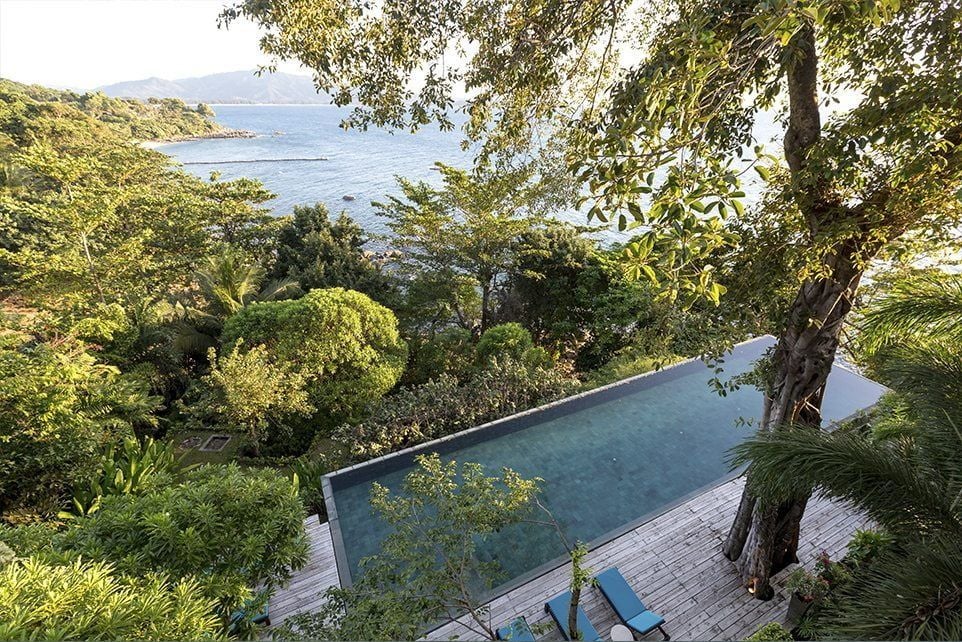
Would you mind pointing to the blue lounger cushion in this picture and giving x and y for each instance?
(517, 631)
(558, 608)
(630, 609)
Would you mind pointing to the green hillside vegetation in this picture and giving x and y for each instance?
(143, 309)
(152, 120)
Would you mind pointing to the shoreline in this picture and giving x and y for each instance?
(223, 133)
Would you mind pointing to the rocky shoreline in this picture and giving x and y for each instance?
(221, 133)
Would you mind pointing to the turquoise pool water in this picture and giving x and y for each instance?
(608, 458)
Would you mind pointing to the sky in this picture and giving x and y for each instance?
(82, 44)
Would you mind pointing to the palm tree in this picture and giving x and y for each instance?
(924, 307)
(228, 282)
(909, 481)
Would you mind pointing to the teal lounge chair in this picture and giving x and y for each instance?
(558, 608)
(245, 611)
(517, 631)
(631, 610)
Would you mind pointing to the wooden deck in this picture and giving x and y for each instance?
(674, 562)
(303, 593)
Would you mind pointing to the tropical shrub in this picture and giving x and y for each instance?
(59, 408)
(90, 601)
(134, 468)
(245, 391)
(33, 539)
(808, 586)
(444, 406)
(505, 341)
(308, 471)
(230, 528)
(450, 351)
(771, 632)
(866, 546)
(344, 345)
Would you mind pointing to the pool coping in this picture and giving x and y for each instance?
(343, 565)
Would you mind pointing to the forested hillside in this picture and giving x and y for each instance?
(151, 119)
(144, 310)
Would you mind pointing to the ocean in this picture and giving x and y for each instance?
(362, 164)
(358, 164)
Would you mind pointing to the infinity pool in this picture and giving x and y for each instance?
(610, 459)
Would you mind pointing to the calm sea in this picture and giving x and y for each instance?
(362, 164)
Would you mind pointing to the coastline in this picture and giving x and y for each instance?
(222, 133)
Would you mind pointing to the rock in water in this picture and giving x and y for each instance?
(348, 197)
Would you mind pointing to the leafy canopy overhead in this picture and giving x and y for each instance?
(660, 143)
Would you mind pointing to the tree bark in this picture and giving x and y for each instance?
(764, 535)
(803, 360)
(573, 632)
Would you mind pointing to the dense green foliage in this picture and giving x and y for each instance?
(135, 468)
(444, 406)
(59, 408)
(93, 218)
(90, 601)
(505, 341)
(344, 345)
(156, 119)
(246, 391)
(319, 253)
(228, 528)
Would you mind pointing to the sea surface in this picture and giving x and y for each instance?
(359, 164)
(362, 164)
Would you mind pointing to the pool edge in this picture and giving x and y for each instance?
(343, 567)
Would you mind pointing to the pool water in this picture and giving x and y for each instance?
(608, 459)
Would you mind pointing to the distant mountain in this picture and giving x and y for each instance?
(228, 87)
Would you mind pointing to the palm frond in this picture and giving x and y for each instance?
(889, 481)
(924, 307)
(913, 592)
(278, 289)
(930, 375)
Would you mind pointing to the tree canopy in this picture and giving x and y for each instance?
(344, 345)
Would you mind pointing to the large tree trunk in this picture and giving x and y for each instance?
(764, 536)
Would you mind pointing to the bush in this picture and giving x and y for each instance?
(231, 528)
(807, 586)
(309, 471)
(89, 601)
(245, 391)
(866, 546)
(29, 539)
(773, 631)
(451, 351)
(135, 468)
(344, 345)
(443, 406)
(59, 408)
(508, 340)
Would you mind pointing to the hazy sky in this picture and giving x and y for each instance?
(81, 44)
